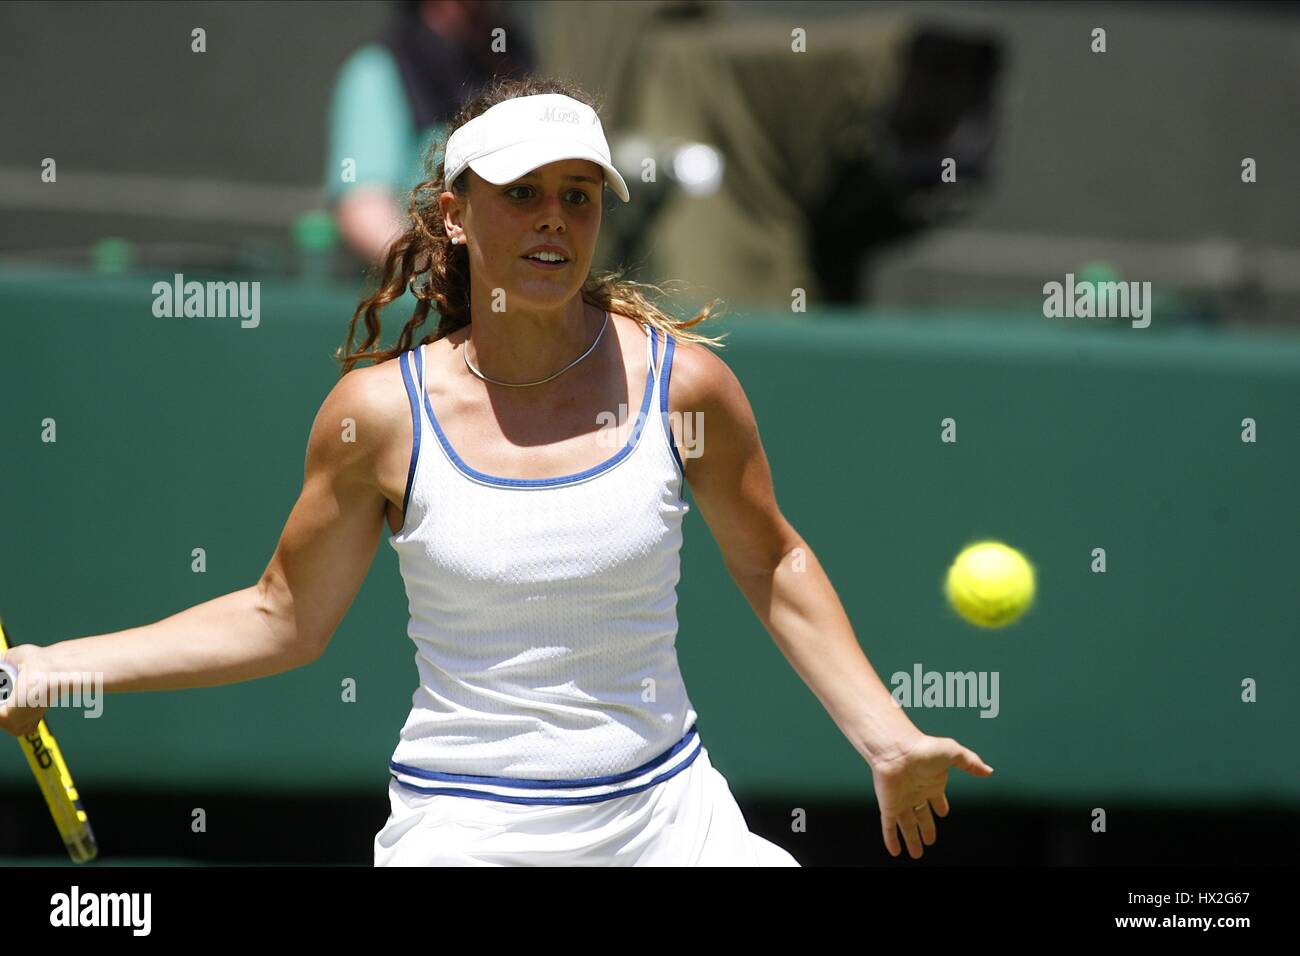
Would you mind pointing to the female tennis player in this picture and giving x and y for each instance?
(524, 457)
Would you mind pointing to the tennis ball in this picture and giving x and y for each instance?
(990, 584)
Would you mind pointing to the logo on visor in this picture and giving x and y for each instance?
(555, 114)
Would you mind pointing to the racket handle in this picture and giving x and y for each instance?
(51, 773)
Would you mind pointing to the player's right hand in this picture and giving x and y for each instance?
(15, 718)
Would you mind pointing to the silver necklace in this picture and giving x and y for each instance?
(471, 367)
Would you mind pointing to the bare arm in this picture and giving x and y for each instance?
(286, 619)
(785, 584)
(773, 566)
(368, 221)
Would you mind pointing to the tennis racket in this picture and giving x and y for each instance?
(51, 772)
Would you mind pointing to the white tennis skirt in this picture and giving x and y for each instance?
(690, 819)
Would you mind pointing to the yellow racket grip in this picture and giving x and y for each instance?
(51, 772)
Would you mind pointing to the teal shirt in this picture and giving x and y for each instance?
(370, 123)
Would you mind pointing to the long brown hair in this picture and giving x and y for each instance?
(424, 260)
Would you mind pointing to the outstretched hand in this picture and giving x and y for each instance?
(910, 784)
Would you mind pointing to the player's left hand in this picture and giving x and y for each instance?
(914, 776)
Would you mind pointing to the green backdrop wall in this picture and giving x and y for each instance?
(181, 433)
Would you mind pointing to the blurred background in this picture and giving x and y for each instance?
(879, 192)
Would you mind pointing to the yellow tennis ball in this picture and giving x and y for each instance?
(990, 584)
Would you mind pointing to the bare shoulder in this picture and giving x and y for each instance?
(377, 393)
(364, 415)
(701, 381)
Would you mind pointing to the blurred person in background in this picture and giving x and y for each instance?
(393, 99)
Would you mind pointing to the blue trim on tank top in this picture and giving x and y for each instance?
(405, 361)
(550, 801)
(525, 784)
(664, 379)
(632, 441)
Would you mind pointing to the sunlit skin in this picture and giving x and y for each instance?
(324, 554)
(545, 325)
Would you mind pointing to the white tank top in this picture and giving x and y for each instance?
(544, 616)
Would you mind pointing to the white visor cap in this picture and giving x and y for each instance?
(515, 137)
